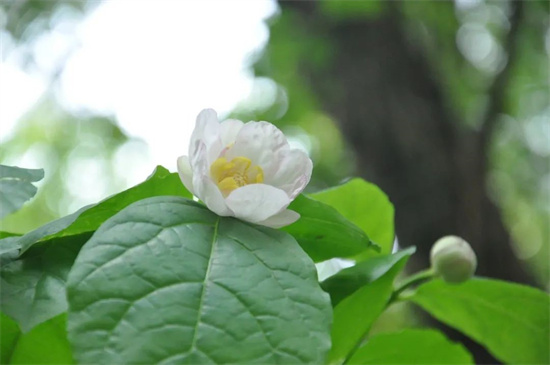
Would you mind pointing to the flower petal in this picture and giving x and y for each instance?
(205, 189)
(185, 172)
(257, 202)
(209, 193)
(207, 131)
(293, 173)
(229, 129)
(281, 219)
(261, 142)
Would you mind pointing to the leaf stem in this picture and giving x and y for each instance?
(415, 279)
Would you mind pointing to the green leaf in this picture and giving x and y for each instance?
(33, 285)
(89, 218)
(324, 233)
(9, 334)
(9, 244)
(411, 346)
(349, 280)
(510, 320)
(168, 281)
(365, 205)
(354, 316)
(47, 343)
(16, 187)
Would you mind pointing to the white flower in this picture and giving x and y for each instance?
(244, 170)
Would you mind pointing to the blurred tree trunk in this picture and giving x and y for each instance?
(392, 111)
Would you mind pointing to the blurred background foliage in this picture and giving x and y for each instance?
(445, 105)
(466, 45)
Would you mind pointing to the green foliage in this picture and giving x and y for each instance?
(88, 219)
(365, 205)
(63, 144)
(348, 281)
(354, 316)
(9, 334)
(16, 187)
(33, 285)
(510, 320)
(27, 18)
(47, 343)
(163, 279)
(416, 346)
(324, 233)
(351, 9)
(166, 280)
(9, 244)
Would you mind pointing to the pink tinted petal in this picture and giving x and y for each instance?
(293, 173)
(257, 202)
(185, 172)
(281, 219)
(261, 142)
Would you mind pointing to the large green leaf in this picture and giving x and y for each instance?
(168, 281)
(9, 334)
(411, 346)
(324, 233)
(9, 244)
(16, 187)
(354, 316)
(47, 343)
(89, 218)
(33, 285)
(347, 281)
(365, 205)
(510, 320)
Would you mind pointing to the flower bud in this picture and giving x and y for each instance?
(453, 259)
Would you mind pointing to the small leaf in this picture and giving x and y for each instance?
(89, 218)
(411, 346)
(324, 233)
(9, 334)
(347, 281)
(354, 316)
(510, 320)
(33, 285)
(16, 187)
(365, 205)
(47, 343)
(168, 281)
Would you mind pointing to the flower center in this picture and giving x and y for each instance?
(230, 175)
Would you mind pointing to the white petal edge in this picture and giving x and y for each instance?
(185, 173)
(293, 173)
(257, 202)
(281, 219)
(207, 131)
(204, 187)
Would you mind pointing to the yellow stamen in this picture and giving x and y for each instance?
(230, 175)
